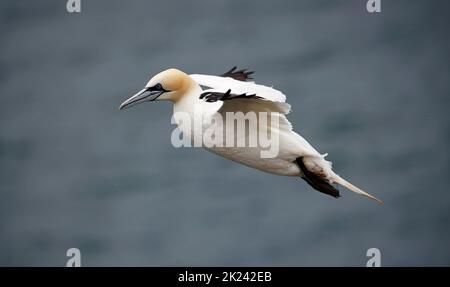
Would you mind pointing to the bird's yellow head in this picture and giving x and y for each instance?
(169, 85)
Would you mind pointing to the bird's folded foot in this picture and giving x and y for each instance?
(315, 181)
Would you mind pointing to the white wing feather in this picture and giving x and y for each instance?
(271, 100)
(222, 84)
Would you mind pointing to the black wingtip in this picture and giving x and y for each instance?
(240, 75)
(211, 97)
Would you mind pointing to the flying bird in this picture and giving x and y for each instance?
(234, 91)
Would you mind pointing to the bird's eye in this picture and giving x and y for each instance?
(158, 87)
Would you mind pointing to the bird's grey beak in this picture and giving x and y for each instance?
(145, 95)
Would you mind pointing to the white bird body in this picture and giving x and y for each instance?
(291, 144)
(295, 156)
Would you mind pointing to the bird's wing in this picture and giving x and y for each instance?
(242, 96)
(240, 75)
(223, 84)
(239, 96)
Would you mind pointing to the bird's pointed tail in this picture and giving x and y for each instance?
(339, 180)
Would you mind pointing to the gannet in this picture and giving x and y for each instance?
(234, 91)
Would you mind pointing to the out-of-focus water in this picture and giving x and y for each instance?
(372, 90)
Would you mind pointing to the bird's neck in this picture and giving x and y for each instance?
(187, 102)
(187, 111)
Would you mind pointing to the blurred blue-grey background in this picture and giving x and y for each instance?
(372, 90)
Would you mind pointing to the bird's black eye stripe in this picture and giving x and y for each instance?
(157, 87)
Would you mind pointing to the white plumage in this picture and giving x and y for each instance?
(296, 157)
